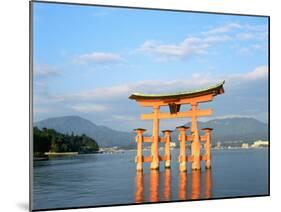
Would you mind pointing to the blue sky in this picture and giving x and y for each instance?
(87, 61)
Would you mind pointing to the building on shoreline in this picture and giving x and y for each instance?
(173, 144)
(260, 143)
(245, 146)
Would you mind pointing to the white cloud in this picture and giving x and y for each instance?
(101, 93)
(259, 73)
(38, 109)
(242, 32)
(229, 116)
(251, 49)
(191, 45)
(256, 28)
(230, 27)
(98, 58)
(87, 108)
(244, 36)
(223, 29)
(258, 46)
(201, 44)
(45, 71)
(216, 39)
(124, 118)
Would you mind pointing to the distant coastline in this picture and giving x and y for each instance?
(60, 153)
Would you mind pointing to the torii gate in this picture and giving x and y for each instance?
(174, 102)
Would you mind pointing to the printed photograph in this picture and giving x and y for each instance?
(133, 106)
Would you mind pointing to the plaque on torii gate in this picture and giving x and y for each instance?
(174, 102)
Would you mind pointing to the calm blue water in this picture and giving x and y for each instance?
(107, 179)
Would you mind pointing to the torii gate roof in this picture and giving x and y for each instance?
(214, 89)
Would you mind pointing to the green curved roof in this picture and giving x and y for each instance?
(215, 89)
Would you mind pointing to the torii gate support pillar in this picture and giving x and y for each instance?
(139, 140)
(182, 140)
(167, 137)
(207, 147)
(195, 144)
(155, 139)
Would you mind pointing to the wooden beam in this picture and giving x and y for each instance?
(189, 138)
(146, 159)
(162, 139)
(147, 139)
(198, 99)
(182, 100)
(203, 138)
(206, 112)
(150, 103)
(203, 157)
(190, 158)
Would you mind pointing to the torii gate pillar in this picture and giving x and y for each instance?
(155, 139)
(167, 137)
(207, 147)
(195, 144)
(182, 140)
(139, 140)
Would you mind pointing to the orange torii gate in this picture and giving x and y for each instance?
(174, 102)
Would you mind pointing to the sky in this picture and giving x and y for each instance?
(87, 60)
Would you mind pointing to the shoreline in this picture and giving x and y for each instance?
(46, 154)
(60, 153)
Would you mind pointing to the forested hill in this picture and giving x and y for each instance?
(49, 140)
(105, 136)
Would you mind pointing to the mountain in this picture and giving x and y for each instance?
(224, 130)
(104, 136)
(236, 129)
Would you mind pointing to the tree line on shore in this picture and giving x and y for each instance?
(49, 140)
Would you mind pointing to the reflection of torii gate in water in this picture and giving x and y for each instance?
(199, 185)
(174, 102)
